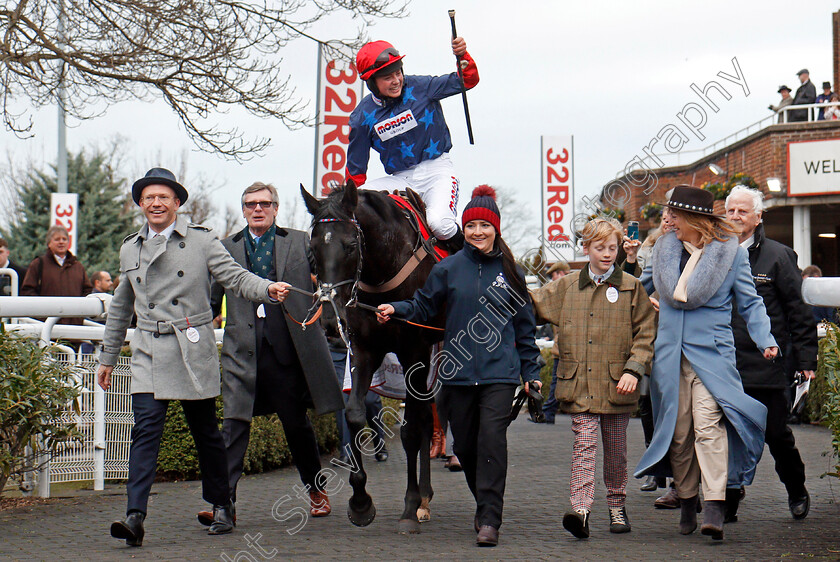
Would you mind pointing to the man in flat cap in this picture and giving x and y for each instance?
(786, 101)
(806, 93)
(165, 280)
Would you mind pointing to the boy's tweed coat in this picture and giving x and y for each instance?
(598, 340)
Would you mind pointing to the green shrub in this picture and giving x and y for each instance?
(267, 449)
(35, 392)
(829, 372)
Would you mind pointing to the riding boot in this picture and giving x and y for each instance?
(437, 444)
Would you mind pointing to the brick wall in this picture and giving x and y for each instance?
(762, 155)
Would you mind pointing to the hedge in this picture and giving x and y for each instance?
(267, 449)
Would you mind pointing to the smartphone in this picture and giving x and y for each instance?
(633, 230)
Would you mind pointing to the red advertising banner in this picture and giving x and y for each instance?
(338, 94)
(64, 211)
(558, 196)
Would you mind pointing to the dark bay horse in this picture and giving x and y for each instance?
(361, 239)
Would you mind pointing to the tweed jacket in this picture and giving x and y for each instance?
(239, 351)
(598, 340)
(167, 284)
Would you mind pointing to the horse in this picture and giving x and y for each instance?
(363, 243)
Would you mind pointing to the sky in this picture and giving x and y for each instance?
(610, 74)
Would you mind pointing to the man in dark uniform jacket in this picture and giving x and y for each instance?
(778, 281)
(269, 364)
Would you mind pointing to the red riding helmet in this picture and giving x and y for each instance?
(375, 56)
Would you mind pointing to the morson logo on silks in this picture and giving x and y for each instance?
(396, 125)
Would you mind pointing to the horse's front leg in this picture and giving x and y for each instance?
(360, 510)
(416, 438)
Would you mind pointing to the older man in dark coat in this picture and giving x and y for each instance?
(778, 281)
(806, 94)
(269, 364)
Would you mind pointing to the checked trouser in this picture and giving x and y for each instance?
(614, 435)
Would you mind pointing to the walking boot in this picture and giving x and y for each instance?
(222, 520)
(130, 529)
(577, 523)
(713, 519)
(688, 515)
(733, 500)
(799, 504)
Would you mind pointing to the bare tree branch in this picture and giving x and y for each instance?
(202, 57)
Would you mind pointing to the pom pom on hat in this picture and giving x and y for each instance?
(482, 206)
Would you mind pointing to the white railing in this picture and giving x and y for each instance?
(104, 418)
(15, 278)
(689, 156)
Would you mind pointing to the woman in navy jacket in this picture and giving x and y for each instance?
(488, 345)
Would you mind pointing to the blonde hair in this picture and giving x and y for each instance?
(710, 227)
(601, 228)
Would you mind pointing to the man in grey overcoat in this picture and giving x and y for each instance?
(269, 363)
(165, 273)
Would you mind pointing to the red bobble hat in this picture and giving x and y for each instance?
(375, 56)
(483, 207)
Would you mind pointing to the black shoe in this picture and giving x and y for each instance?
(713, 519)
(382, 455)
(800, 504)
(222, 520)
(619, 522)
(577, 523)
(130, 529)
(733, 500)
(650, 484)
(549, 420)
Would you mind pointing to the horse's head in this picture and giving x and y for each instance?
(336, 243)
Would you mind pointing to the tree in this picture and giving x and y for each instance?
(202, 57)
(106, 214)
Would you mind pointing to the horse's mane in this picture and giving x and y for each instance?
(377, 202)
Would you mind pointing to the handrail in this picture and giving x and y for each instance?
(737, 135)
(15, 279)
(62, 307)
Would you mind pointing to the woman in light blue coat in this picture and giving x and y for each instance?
(706, 428)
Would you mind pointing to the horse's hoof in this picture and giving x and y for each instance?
(409, 527)
(424, 513)
(363, 517)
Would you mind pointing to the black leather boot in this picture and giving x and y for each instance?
(130, 529)
(733, 500)
(222, 520)
(453, 244)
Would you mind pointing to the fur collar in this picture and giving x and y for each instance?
(712, 269)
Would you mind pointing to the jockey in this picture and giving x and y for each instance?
(403, 121)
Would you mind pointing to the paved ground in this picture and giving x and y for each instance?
(537, 495)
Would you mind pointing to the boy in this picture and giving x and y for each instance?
(605, 337)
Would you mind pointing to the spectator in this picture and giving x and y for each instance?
(824, 97)
(786, 101)
(57, 273)
(806, 94)
(607, 326)
(6, 262)
(102, 282)
(821, 313)
(778, 282)
(558, 270)
(832, 113)
(705, 424)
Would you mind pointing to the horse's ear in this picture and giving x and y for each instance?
(311, 202)
(351, 196)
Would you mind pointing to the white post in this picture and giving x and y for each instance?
(99, 443)
(43, 473)
(802, 234)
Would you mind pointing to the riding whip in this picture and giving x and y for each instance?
(462, 64)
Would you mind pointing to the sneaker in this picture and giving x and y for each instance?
(619, 522)
(577, 523)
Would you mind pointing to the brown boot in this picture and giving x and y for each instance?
(437, 436)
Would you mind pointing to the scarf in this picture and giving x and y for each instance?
(260, 254)
(711, 268)
(680, 293)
